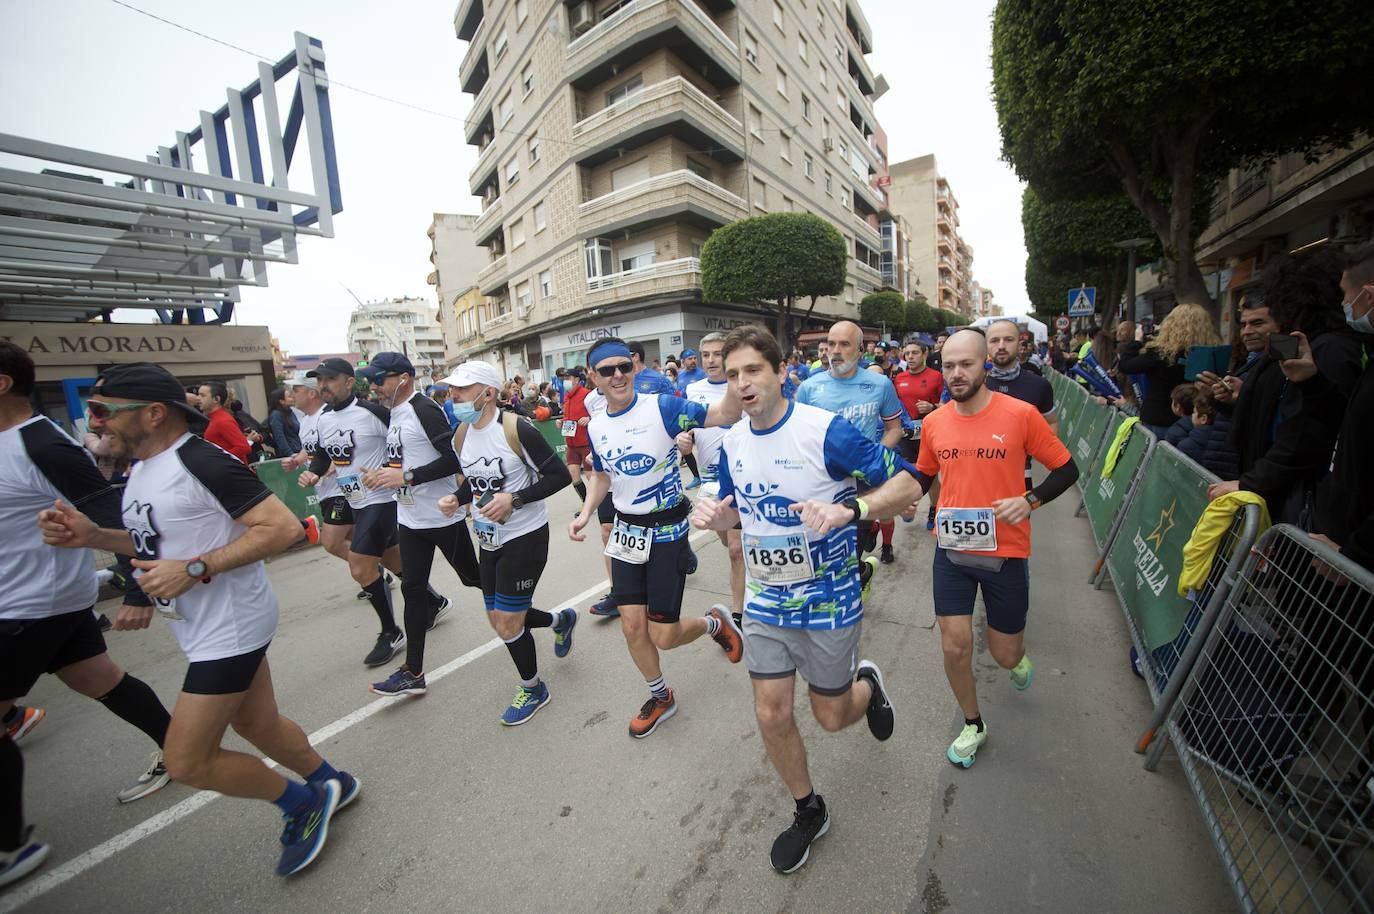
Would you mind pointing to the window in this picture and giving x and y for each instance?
(522, 10)
(502, 42)
(517, 233)
(546, 284)
(630, 174)
(806, 107)
(624, 90)
(787, 204)
(512, 170)
(760, 195)
(777, 14)
(802, 47)
(839, 52)
(829, 186)
(540, 216)
(808, 166)
(506, 108)
(844, 197)
(614, 8)
(527, 79)
(700, 170)
(522, 294)
(636, 256)
(825, 78)
(782, 82)
(785, 146)
(751, 48)
(844, 152)
(534, 150)
(825, 128)
(840, 101)
(756, 122)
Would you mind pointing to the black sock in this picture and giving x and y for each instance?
(521, 649)
(11, 794)
(581, 489)
(135, 701)
(12, 715)
(380, 595)
(807, 802)
(977, 722)
(537, 618)
(691, 461)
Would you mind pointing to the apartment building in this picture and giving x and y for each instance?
(614, 136)
(941, 261)
(981, 300)
(457, 260)
(408, 325)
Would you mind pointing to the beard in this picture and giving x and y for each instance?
(840, 366)
(1011, 358)
(968, 394)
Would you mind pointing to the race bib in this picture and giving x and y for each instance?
(569, 428)
(628, 543)
(488, 532)
(966, 529)
(780, 559)
(351, 487)
(405, 496)
(167, 609)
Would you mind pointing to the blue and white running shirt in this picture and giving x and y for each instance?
(811, 455)
(638, 448)
(707, 443)
(867, 399)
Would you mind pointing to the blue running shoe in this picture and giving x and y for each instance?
(696, 481)
(307, 829)
(563, 632)
(24, 859)
(605, 608)
(527, 702)
(401, 682)
(349, 788)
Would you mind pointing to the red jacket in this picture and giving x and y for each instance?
(225, 432)
(574, 408)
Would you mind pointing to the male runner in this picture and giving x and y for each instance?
(978, 447)
(634, 444)
(200, 524)
(919, 388)
(420, 466)
(605, 510)
(1008, 376)
(708, 391)
(574, 428)
(787, 476)
(651, 381)
(506, 482)
(690, 372)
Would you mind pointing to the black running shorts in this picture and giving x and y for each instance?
(374, 529)
(31, 647)
(336, 511)
(511, 573)
(226, 676)
(657, 584)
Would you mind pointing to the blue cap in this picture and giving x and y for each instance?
(689, 353)
(385, 363)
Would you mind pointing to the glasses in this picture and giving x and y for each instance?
(608, 371)
(103, 411)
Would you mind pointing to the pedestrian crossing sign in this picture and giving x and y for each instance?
(1083, 301)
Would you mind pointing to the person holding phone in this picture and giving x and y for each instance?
(1161, 361)
(1256, 323)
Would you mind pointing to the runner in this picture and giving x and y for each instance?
(708, 391)
(1008, 376)
(200, 524)
(46, 619)
(605, 511)
(978, 448)
(634, 444)
(788, 476)
(574, 429)
(508, 470)
(420, 466)
(919, 389)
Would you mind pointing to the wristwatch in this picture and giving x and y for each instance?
(196, 568)
(516, 503)
(854, 505)
(408, 477)
(1033, 500)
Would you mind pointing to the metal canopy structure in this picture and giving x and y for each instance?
(87, 232)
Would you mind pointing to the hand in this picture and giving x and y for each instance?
(165, 579)
(1216, 490)
(383, 478)
(1325, 570)
(62, 525)
(822, 516)
(448, 505)
(1303, 368)
(576, 526)
(924, 406)
(289, 463)
(131, 618)
(307, 479)
(710, 514)
(254, 438)
(1014, 510)
(684, 443)
(498, 509)
(584, 420)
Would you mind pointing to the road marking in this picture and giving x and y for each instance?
(51, 879)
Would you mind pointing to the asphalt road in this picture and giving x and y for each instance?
(568, 813)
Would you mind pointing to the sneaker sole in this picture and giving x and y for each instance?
(530, 716)
(352, 795)
(882, 687)
(806, 854)
(331, 806)
(399, 693)
(661, 718)
(726, 619)
(29, 723)
(25, 865)
(1029, 679)
(151, 787)
(568, 640)
(959, 762)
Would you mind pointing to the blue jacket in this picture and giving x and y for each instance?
(1210, 446)
(1180, 430)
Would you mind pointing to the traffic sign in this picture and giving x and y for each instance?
(1083, 301)
(1061, 323)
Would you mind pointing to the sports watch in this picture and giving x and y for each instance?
(196, 568)
(1033, 500)
(408, 477)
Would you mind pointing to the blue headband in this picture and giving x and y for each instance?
(607, 350)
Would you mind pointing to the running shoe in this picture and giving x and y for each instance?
(696, 481)
(386, 647)
(605, 608)
(306, 829)
(1022, 673)
(739, 620)
(311, 525)
(27, 857)
(103, 576)
(401, 682)
(440, 612)
(886, 557)
(930, 518)
(104, 622)
(528, 700)
(961, 752)
(793, 846)
(728, 635)
(563, 632)
(654, 712)
(364, 595)
(866, 569)
(349, 788)
(150, 781)
(22, 719)
(881, 719)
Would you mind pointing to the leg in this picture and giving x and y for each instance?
(956, 640)
(1006, 649)
(260, 722)
(127, 697)
(417, 559)
(335, 538)
(391, 560)
(634, 623)
(667, 636)
(1007, 597)
(734, 547)
(194, 756)
(773, 708)
(94, 677)
(665, 580)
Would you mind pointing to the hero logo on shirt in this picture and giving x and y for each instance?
(138, 520)
(338, 445)
(485, 476)
(756, 498)
(393, 448)
(629, 463)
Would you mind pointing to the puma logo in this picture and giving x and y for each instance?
(1001, 439)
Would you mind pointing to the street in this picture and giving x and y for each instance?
(568, 813)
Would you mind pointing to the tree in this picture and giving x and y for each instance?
(776, 258)
(1158, 100)
(920, 317)
(883, 309)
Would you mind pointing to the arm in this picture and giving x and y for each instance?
(892, 411)
(1141, 362)
(726, 411)
(894, 484)
(598, 484)
(436, 428)
(892, 431)
(722, 515)
(1043, 445)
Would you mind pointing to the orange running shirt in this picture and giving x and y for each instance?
(982, 458)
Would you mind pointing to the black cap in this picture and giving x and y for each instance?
(384, 363)
(152, 383)
(330, 367)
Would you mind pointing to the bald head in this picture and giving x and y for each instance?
(971, 342)
(846, 340)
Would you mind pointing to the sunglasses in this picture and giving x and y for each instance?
(608, 371)
(103, 411)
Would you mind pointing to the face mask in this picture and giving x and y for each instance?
(1362, 324)
(466, 412)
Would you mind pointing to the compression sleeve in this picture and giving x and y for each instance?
(436, 428)
(1057, 483)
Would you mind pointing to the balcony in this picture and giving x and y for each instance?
(672, 107)
(486, 163)
(489, 221)
(497, 322)
(492, 276)
(863, 268)
(663, 278)
(642, 26)
(868, 231)
(468, 18)
(480, 122)
(474, 71)
(676, 195)
(867, 193)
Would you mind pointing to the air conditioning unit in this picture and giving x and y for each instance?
(828, 144)
(583, 17)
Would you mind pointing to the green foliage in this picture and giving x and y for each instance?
(361, 388)
(949, 319)
(878, 309)
(920, 316)
(778, 257)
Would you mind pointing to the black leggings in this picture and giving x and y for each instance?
(417, 560)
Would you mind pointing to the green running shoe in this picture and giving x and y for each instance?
(965, 745)
(1022, 673)
(866, 569)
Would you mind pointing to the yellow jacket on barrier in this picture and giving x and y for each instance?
(1118, 445)
(1201, 548)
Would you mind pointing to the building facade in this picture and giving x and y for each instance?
(457, 260)
(614, 136)
(941, 262)
(408, 325)
(981, 302)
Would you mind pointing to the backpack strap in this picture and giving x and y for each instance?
(510, 422)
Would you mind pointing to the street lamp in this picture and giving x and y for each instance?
(1130, 247)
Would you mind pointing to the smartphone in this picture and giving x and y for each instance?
(482, 502)
(1283, 346)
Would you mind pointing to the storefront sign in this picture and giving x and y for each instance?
(54, 344)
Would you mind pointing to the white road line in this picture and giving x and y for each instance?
(28, 891)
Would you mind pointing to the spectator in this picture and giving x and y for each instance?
(1256, 323)
(222, 430)
(1182, 400)
(1209, 441)
(286, 431)
(1026, 354)
(1161, 362)
(822, 361)
(690, 372)
(252, 429)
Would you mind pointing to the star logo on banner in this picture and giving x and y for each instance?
(1166, 523)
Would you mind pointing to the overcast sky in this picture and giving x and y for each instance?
(93, 74)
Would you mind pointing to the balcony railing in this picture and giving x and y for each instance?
(633, 107)
(490, 272)
(499, 320)
(648, 11)
(865, 226)
(867, 269)
(493, 211)
(483, 162)
(681, 267)
(664, 189)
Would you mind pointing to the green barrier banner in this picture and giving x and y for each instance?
(550, 429)
(1072, 405)
(1087, 435)
(1103, 497)
(1148, 552)
(282, 483)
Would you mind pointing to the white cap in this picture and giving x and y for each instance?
(473, 371)
(312, 383)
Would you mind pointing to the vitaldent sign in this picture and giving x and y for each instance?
(58, 344)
